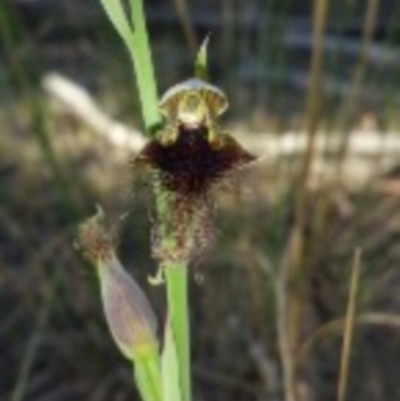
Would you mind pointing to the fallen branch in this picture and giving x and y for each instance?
(77, 101)
(360, 165)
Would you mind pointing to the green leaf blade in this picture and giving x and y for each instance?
(117, 16)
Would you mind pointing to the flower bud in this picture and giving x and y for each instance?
(128, 312)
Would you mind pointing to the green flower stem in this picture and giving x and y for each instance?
(148, 377)
(176, 276)
(134, 35)
(140, 51)
(133, 32)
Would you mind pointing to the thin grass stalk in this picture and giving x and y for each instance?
(10, 33)
(20, 72)
(296, 241)
(227, 34)
(370, 20)
(243, 45)
(229, 43)
(264, 48)
(321, 215)
(337, 326)
(349, 327)
(286, 357)
(392, 89)
(183, 12)
(313, 100)
(280, 54)
(349, 105)
(32, 347)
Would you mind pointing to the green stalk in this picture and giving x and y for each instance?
(134, 34)
(176, 276)
(148, 377)
(140, 51)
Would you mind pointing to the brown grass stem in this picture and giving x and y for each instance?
(32, 348)
(296, 241)
(349, 105)
(337, 326)
(183, 12)
(281, 296)
(349, 327)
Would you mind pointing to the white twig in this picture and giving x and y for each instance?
(360, 166)
(81, 104)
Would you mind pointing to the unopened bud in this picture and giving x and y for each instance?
(128, 312)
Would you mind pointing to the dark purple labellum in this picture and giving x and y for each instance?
(187, 171)
(191, 164)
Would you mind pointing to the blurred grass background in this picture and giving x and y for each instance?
(268, 299)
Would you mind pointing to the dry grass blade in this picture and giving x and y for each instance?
(349, 327)
(32, 348)
(281, 289)
(359, 70)
(338, 326)
(187, 25)
(296, 242)
(350, 103)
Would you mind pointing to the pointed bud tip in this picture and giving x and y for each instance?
(201, 63)
(94, 239)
